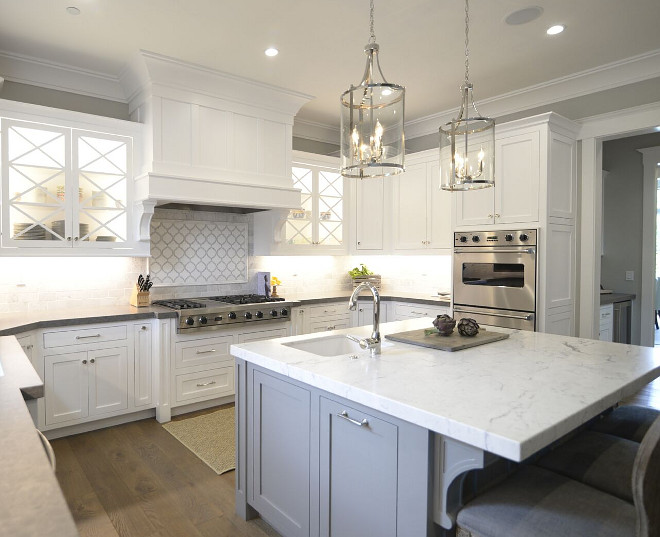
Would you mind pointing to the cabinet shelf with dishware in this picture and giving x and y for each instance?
(66, 189)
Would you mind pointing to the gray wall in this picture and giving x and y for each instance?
(622, 218)
(13, 91)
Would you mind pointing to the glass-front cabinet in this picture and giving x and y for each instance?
(319, 221)
(64, 187)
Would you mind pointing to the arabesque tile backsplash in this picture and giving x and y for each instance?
(34, 283)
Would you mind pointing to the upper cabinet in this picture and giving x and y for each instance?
(67, 190)
(370, 214)
(535, 176)
(421, 210)
(316, 225)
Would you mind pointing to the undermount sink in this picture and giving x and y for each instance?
(329, 346)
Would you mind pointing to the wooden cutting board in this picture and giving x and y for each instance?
(453, 342)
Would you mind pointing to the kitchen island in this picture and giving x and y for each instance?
(306, 456)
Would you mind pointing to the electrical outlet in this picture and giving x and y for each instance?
(630, 275)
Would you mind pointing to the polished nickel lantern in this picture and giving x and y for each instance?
(467, 143)
(372, 113)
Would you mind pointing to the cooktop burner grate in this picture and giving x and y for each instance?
(179, 304)
(244, 299)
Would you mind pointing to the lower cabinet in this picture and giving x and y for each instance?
(358, 473)
(85, 384)
(318, 465)
(281, 417)
(606, 322)
(400, 311)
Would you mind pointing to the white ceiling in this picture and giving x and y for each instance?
(321, 41)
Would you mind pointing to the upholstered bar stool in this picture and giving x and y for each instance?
(537, 502)
(627, 421)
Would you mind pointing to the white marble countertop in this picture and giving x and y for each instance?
(511, 397)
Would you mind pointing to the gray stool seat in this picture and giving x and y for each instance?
(599, 460)
(535, 502)
(627, 421)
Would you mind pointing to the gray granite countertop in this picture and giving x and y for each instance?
(17, 323)
(31, 502)
(612, 298)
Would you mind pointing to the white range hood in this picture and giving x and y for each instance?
(211, 138)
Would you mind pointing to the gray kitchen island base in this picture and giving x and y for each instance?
(314, 464)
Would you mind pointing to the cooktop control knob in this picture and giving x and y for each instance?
(259, 314)
(475, 238)
(508, 237)
(190, 321)
(203, 320)
(284, 312)
(273, 313)
(248, 315)
(232, 315)
(524, 237)
(463, 238)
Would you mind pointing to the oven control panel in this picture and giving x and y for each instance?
(519, 237)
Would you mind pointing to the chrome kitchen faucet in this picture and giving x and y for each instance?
(372, 343)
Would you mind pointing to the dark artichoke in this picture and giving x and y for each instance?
(468, 327)
(444, 324)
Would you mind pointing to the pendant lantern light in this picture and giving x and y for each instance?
(372, 139)
(467, 144)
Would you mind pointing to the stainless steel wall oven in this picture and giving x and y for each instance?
(494, 277)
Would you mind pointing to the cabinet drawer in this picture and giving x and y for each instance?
(65, 338)
(332, 323)
(418, 310)
(263, 334)
(202, 351)
(324, 310)
(205, 384)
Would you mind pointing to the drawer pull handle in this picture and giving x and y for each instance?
(331, 327)
(418, 313)
(201, 385)
(344, 415)
(87, 337)
(206, 352)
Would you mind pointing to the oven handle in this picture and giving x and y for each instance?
(527, 317)
(488, 250)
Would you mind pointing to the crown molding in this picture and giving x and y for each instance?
(612, 75)
(57, 76)
(319, 132)
(633, 120)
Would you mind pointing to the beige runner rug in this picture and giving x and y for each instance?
(210, 437)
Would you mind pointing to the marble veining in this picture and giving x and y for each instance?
(511, 397)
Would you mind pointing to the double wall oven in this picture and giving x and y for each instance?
(494, 277)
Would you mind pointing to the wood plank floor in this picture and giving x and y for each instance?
(137, 480)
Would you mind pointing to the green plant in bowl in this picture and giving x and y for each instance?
(362, 270)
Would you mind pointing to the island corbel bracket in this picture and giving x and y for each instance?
(451, 460)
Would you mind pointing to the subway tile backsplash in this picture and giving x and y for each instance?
(33, 283)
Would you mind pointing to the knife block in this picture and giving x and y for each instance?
(139, 299)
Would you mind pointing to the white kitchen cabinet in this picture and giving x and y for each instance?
(315, 226)
(27, 344)
(83, 384)
(143, 364)
(606, 322)
(515, 198)
(329, 316)
(66, 191)
(370, 214)
(421, 209)
(410, 310)
(364, 315)
(299, 321)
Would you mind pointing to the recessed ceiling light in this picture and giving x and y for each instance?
(556, 29)
(271, 51)
(72, 10)
(523, 16)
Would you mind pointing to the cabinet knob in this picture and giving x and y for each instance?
(75, 238)
(497, 215)
(92, 361)
(144, 328)
(84, 362)
(490, 216)
(69, 239)
(359, 242)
